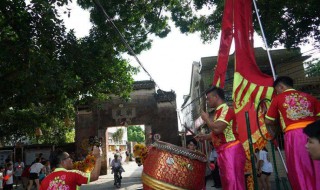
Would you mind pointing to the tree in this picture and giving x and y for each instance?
(313, 68)
(136, 134)
(118, 135)
(290, 23)
(46, 72)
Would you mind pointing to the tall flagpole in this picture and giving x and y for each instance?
(264, 40)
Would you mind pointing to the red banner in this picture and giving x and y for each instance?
(225, 44)
(250, 85)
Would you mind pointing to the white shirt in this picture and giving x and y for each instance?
(267, 166)
(36, 168)
(10, 180)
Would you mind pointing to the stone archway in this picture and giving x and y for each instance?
(154, 109)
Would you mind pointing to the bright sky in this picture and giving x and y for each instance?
(170, 59)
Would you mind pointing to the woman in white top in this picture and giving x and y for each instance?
(264, 168)
(34, 173)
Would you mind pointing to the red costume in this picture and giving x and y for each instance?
(231, 153)
(64, 179)
(296, 110)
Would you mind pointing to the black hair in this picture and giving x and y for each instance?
(288, 81)
(37, 160)
(265, 149)
(216, 90)
(56, 157)
(313, 130)
(194, 142)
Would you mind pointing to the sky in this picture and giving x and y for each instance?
(169, 61)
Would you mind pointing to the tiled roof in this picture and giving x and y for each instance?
(163, 96)
(144, 84)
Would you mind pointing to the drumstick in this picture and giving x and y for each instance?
(192, 133)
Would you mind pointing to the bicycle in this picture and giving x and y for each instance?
(117, 176)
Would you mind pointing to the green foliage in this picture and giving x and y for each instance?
(46, 72)
(135, 20)
(136, 134)
(288, 23)
(313, 68)
(118, 135)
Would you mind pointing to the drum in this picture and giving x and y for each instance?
(172, 167)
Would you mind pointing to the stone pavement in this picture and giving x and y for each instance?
(131, 180)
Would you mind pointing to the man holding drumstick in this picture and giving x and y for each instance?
(224, 138)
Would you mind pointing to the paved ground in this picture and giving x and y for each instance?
(131, 180)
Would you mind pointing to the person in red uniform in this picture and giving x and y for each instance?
(63, 177)
(224, 137)
(296, 110)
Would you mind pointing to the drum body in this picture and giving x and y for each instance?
(172, 167)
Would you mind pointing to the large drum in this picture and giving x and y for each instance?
(172, 167)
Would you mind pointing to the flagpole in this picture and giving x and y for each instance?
(264, 40)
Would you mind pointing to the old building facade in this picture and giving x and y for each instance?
(285, 62)
(155, 109)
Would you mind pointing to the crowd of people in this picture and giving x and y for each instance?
(41, 171)
(19, 174)
(54, 173)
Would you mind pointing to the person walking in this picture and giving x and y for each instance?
(63, 177)
(264, 169)
(127, 156)
(35, 170)
(296, 110)
(225, 140)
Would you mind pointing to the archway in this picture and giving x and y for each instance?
(156, 110)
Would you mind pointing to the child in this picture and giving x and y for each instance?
(115, 163)
(8, 185)
(1, 177)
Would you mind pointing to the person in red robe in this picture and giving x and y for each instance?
(63, 177)
(295, 110)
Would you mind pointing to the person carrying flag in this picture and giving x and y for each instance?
(224, 138)
(296, 110)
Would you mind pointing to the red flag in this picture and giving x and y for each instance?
(225, 44)
(250, 84)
